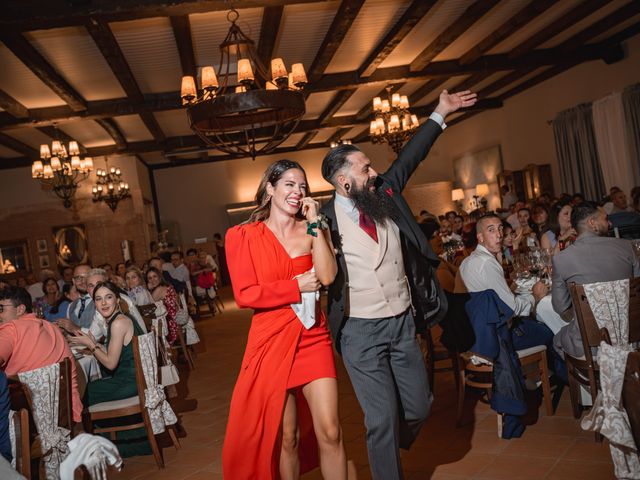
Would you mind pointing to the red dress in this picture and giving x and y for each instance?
(280, 354)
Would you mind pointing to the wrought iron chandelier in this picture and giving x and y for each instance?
(110, 188)
(394, 124)
(61, 169)
(241, 109)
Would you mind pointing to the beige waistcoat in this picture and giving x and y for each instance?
(377, 283)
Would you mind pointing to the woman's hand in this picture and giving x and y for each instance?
(309, 208)
(80, 338)
(308, 282)
(568, 234)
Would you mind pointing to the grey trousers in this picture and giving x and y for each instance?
(387, 371)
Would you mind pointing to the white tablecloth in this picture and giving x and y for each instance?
(547, 315)
(90, 367)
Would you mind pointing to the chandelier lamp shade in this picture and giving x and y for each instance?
(340, 142)
(242, 109)
(61, 169)
(109, 187)
(393, 122)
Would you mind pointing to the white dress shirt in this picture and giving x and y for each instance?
(481, 271)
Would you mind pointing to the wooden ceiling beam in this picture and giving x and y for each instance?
(12, 106)
(108, 45)
(301, 145)
(341, 81)
(338, 101)
(565, 21)
(33, 60)
(114, 132)
(18, 146)
(271, 19)
(425, 90)
(182, 33)
(337, 136)
(610, 21)
(346, 14)
(470, 16)
(26, 15)
(412, 15)
(519, 20)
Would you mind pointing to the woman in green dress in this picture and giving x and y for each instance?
(116, 359)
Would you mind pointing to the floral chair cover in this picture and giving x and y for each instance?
(160, 412)
(609, 302)
(186, 322)
(44, 386)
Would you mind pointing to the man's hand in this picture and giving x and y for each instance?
(450, 102)
(539, 291)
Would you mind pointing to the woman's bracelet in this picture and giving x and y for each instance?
(321, 223)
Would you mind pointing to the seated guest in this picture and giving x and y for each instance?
(179, 272)
(482, 271)
(513, 218)
(458, 225)
(51, 296)
(525, 233)
(635, 199)
(28, 343)
(509, 246)
(59, 309)
(593, 257)
(622, 215)
(544, 233)
(136, 287)
(81, 311)
(161, 291)
(121, 270)
(116, 357)
(560, 224)
(66, 274)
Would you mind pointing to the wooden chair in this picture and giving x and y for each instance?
(584, 371)
(480, 376)
(130, 406)
(434, 356)
(28, 447)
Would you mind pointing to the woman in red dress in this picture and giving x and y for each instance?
(284, 408)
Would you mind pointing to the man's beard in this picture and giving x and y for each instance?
(374, 203)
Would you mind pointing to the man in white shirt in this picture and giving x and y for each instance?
(178, 270)
(482, 270)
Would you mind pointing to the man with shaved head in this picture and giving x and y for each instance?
(482, 270)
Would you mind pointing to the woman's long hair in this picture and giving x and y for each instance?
(271, 175)
(64, 297)
(162, 283)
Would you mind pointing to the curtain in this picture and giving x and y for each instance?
(577, 152)
(612, 139)
(631, 105)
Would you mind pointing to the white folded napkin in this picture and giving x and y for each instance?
(525, 285)
(306, 309)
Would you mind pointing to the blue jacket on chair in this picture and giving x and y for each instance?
(489, 317)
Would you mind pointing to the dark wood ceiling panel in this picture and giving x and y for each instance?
(524, 16)
(271, 19)
(576, 14)
(182, 31)
(108, 45)
(414, 13)
(12, 106)
(471, 15)
(28, 55)
(112, 129)
(16, 145)
(347, 12)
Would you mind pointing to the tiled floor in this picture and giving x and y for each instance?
(552, 447)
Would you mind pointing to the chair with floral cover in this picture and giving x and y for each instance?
(150, 402)
(45, 393)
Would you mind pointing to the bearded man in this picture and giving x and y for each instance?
(385, 283)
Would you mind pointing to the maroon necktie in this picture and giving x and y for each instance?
(369, 226)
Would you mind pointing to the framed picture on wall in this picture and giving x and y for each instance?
(44, 261)
(41, 243)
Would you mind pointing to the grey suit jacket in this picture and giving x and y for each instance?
(590, 259)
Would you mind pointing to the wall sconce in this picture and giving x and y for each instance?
(482, 190)
(457, 195)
